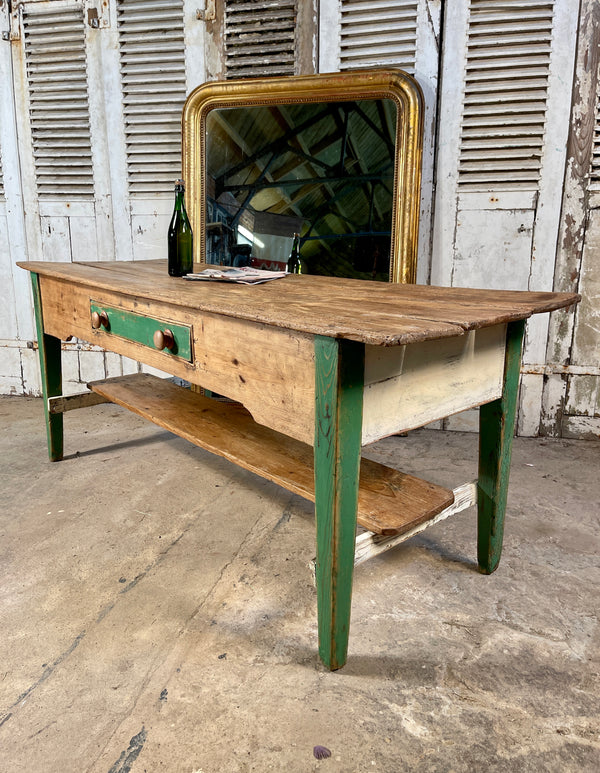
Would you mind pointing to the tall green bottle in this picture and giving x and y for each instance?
(180, 238)
(294, 264)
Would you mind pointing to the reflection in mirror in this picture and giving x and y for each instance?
(323, 170)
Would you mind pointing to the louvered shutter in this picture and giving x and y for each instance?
(152, 58)
(55, 59)
(503, 129)
(260, 38)
(506, 85)
(378, 33)
(595, 166)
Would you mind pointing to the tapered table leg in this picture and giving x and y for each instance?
(338, 427)
(496, 429)
(51, 371)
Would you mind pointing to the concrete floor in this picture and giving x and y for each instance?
(157, 614)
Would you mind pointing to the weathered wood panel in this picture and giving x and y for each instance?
(389, 501)
(411, 386)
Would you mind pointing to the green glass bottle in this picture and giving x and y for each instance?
(294, 264)
(180, 238)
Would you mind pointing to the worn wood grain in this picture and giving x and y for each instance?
(376, 313)
(390, 501)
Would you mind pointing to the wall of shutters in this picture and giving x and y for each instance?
(90, 140)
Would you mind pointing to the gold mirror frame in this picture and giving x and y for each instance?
(363, 85)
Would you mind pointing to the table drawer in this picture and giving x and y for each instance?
(163, 335)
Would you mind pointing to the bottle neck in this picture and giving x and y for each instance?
(179, 193)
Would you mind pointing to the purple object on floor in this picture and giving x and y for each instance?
(321, 752)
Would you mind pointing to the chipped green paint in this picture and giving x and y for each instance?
(496, 429)
(141, 329)
(339, 379)
(51, 373)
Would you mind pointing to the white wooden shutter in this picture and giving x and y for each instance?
(260, 38)
(506, 89)
(503, 131)
(55, 59)
(378, 33)
(152, 59)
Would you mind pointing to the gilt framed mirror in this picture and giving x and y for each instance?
(333, 158)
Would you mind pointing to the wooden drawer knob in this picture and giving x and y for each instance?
(163, 339)
(99, 319)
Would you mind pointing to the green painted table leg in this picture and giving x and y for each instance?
(338, 427)
(496, 429)
(51, 370)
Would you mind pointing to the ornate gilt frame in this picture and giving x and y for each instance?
(369, 84)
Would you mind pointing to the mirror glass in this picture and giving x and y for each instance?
(323, 170)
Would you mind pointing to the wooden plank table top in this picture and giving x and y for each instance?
(376, 313)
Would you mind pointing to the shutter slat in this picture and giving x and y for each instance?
(260, 38)
(378, 33)
(55, 60)
(152, 58)
(506, 85)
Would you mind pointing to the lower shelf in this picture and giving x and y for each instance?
(389, 502)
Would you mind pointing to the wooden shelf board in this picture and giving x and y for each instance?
(390, 502)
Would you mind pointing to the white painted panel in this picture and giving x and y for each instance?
(581, 427)
(113, 365)
(56, 238)
(530, 397)
(149, 236)
(8, 319)
(583, 395)
(70, 365)
(430, 380)
(129, 366)
(84, 244)
(493, 249)
(10, 371)
(586, 339)
(91, 366)
(30, 369)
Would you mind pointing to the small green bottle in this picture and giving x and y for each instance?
(294, 264)
(180, 238)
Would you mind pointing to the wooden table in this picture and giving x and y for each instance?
(319, 367)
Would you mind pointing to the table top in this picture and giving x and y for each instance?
(379, 313)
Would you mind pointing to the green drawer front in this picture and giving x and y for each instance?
(135, 327)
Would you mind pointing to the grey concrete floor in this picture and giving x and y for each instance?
(157, 614)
